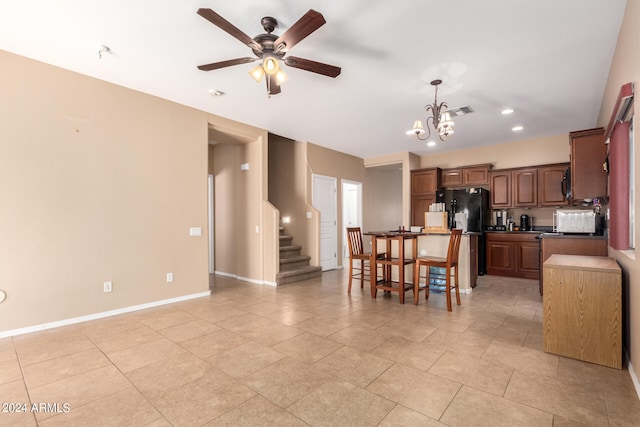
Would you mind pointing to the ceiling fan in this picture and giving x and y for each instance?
(271, 48)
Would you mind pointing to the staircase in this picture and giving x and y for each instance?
(293, 266)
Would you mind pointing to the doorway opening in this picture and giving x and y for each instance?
(351, 210)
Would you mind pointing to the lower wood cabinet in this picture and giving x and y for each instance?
(513, 255)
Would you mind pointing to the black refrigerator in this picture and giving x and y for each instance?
(474, 203)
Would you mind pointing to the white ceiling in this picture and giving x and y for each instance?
(548, 59)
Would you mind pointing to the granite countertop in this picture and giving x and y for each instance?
(571, 236)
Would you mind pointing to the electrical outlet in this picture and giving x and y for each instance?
(169, 277)
(108, 286)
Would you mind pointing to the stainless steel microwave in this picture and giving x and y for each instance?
(579, 221)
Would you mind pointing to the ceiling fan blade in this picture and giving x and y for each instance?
(227, 26)
(228, 63)
(273, 88)
(304, 26)
(313, 66)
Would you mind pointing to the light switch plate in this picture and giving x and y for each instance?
(195, 231)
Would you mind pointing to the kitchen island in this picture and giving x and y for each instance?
(436, 244)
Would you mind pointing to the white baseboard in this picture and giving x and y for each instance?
(632, 374)
(81, 319)
(246, 279)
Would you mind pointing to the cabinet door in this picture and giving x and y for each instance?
(550, 180)
(477, 175)
(588, 152)
(425, 181)
(500, 258)
(452, 178)
(420, 205)
(528, 260)
(500, 190)
(525, 187)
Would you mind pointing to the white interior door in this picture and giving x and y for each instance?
(212, 268)
(351, 210)
(324, 195)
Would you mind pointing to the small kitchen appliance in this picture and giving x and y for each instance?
(525, 222)
(578, 221)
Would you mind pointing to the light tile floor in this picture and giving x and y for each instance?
(309, 354)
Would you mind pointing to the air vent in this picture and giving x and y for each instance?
(460, 111)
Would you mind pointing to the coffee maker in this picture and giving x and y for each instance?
(525, 222)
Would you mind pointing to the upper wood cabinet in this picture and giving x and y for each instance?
(452, 178)
(468, 176)
(588, 153)
(424, 185)
(525, 187)
(500, 189)
(528, 187)
(420, 205)
(550, 185)
(425, 181)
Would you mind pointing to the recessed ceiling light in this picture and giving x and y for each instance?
(517, 128)
(216, 92)
(431, 144)
(507, 111)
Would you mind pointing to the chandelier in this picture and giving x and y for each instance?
(440, 119)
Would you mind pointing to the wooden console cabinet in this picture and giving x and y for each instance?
(570, 245)
(583, 309)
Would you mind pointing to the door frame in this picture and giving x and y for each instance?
(345, 211)
(210, 222)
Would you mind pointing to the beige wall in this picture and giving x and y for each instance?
(323, 161)
(626, 68)
(408, 162)
(98, 183)
(540, 151)
(226, 171)
(288, 187)
(383, 198)
(245, 227)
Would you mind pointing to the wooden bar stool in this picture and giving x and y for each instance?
(451, 261)
(357, 254)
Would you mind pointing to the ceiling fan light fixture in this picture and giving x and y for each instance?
(281, 76)
(270, 64)
(256, 73)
